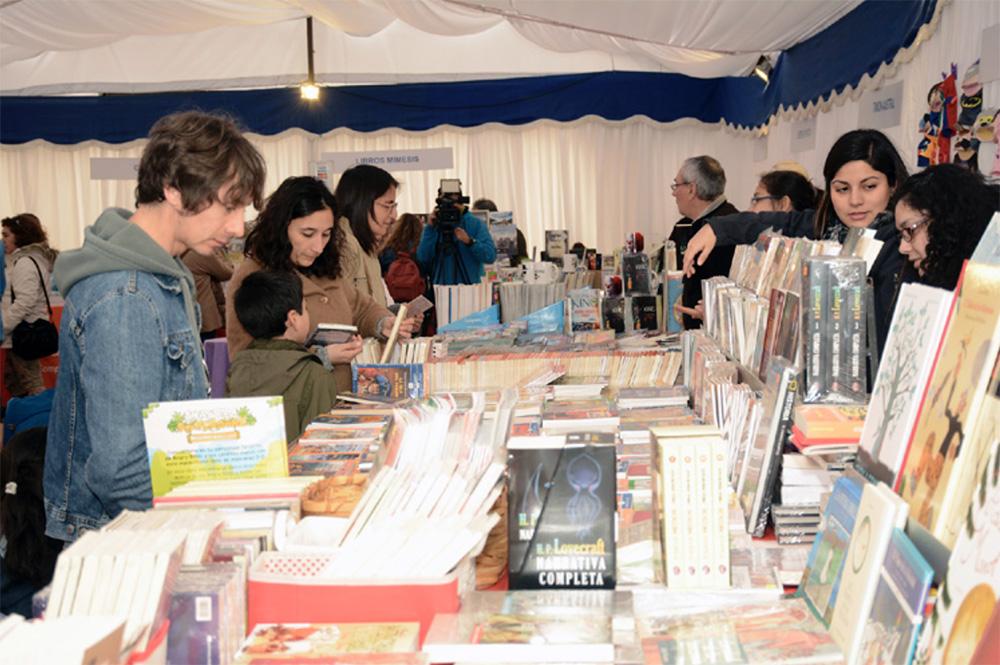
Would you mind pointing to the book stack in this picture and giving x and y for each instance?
(579, 387)
(517, 300)
(68, 640)
(834, 320)
(804, 483)
(201, 528)
(458, 301)
(633, 397)
(338, 444)
(691, 500)
(115, 573)
(580, 415)
(208, 613)
(820, 429)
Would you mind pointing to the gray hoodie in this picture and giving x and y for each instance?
(113, 243)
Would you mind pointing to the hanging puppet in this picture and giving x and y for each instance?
(972, 97)
(939, 122)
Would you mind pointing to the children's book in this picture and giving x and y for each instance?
(968, 596)
(914, 337)
(215, 439)
(879, 512)
(821, 577)
(890, 634)
(940, 465)
(389, 380)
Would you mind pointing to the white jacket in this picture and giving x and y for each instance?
(29, 299)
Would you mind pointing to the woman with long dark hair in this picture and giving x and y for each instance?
(862, 171)
(941, 214)
(295, 232)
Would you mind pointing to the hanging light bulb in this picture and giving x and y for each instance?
(309, 89)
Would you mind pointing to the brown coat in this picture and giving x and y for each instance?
(364, 268)
(209, 273)
(327, 301)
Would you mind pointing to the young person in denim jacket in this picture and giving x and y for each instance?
(129, 333)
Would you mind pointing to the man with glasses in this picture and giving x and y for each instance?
(699, 188)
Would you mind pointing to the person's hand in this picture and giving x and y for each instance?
(344, 353)
(696, 312)
(432, 217)
(406, 328)
(699, 247)
(462, 236)
(418, 317)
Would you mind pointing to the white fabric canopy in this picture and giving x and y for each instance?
(122, 46)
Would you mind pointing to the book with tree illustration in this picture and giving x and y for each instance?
(918, 323)
(214, 439)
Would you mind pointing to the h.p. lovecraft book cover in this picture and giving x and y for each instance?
(572, 544)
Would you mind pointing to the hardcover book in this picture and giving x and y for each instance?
(879, 512)
(821, 577)
(214, 439)
(890, 634)
(760, 468)
(571, 543)
(968, 596)
(914, 338)
(940, 467)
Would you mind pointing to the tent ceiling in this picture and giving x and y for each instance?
(131, 46)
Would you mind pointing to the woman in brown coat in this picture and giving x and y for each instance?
(295, 232)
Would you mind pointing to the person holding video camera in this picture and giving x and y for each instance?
(455, 242)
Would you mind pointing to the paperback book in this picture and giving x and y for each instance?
(387, 380)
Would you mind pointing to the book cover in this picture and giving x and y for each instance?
(821, 577)
(530, 464)
(878, 513)
(214, 439)
(636, 275)
(674, 292)
(774, 313)
(504, 234)
(830, 421)
(938, 464)
(584, 307)
(573, 542)
(971, 589)
(613, 314)
(892, 627)
(988, 249)
(904, 369)
(556, 243)
(331, 333)
(760, 472)
(853, 373)
(388, 380)
(300, 642)
(786, 341)
(643, 312)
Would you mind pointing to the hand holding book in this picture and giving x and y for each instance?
(344, 352)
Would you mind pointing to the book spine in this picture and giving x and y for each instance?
(834, 332)
(660, 511)
(704, 514)
(720, 514)
(689, 513)
(814, 288)
(854, 330)
(673, 510)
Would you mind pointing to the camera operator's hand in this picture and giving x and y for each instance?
(432, 217)
(462, 236)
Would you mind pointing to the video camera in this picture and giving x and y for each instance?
(449, 207)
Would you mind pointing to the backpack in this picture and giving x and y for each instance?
(404, 279)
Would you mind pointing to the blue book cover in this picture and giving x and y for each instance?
(389, 380)
(891, 630)
(821, 577)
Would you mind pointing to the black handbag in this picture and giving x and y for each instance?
(38, 338)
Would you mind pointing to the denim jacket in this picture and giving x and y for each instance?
(125, 342)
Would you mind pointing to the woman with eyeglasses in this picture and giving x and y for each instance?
(29, 261)
(862, 171)
(941, 214)
(366, 195)
(783, 191)
(295, 233)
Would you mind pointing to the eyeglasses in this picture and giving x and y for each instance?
(907, 233)
(675, 185)
(755, 199)
(388, 206)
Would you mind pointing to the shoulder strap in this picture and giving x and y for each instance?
(45, 291)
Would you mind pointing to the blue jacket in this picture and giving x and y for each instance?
(129, 336)
(473, 257)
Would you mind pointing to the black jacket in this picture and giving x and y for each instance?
(718, 263)
(887, 270)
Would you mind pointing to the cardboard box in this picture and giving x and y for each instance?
(286, 588)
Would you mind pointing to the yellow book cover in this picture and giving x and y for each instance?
(938, 463)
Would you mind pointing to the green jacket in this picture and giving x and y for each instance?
(283, 367)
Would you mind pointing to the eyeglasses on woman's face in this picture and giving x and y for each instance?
(754, 200)
(908, 233)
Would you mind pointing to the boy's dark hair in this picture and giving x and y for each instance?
(197, 154)
(264, 299)
(31, 555)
